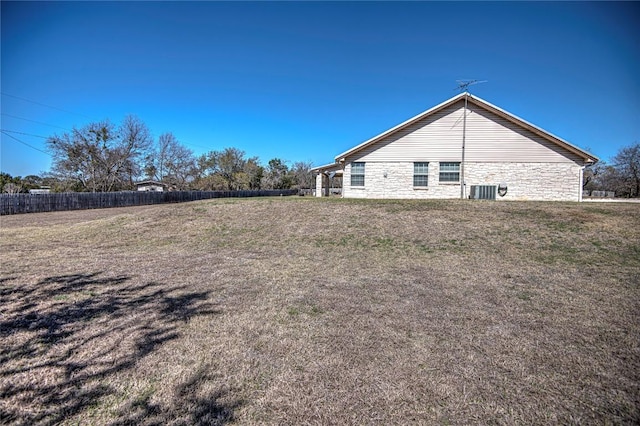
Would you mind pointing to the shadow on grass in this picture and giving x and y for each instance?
(65, 338)
(197, 406)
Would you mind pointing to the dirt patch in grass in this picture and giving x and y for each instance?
(297, 310)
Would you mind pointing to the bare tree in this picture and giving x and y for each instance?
(171, 162)
(133, 143)
(302, 176)
(277, 175)
(12, 188)
(81, 155)
(100, 156)
(11, 184)
(627, 165)
(593, 176)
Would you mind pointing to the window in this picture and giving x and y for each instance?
(357, 174)
(420, 174)
(449, 172)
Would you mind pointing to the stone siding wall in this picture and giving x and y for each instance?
(529, 181)
(525, 181)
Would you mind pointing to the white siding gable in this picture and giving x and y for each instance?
(489, 138)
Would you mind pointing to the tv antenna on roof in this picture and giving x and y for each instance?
(463, 85)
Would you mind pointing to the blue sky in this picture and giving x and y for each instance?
(306, 81)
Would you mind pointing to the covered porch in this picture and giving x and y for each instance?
(325, 177)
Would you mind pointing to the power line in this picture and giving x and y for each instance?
(53, 125)
(24, 143)
(23, 133)
(63, 110)
(44, 105)
(34, 121)
(47, 137)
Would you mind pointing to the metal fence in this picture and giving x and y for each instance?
(36, 203)
(598, 194)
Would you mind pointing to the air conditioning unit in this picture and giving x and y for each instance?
(483, 192)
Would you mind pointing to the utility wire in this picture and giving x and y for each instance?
(52, 125)
(44, 105)
(34, 121)
(47, 137)
(23, 133)
(24, 143)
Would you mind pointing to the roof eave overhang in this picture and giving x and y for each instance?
(327, 168)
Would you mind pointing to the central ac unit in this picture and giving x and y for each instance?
(483, 192)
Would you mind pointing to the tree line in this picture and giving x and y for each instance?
(103, 156)
(622, 175)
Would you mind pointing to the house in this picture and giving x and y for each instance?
(41, 190)
(150, 185)
(463, 148)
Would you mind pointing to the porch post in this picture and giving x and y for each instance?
(325, 185)
(319, 186)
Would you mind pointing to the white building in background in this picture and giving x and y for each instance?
(150, 185)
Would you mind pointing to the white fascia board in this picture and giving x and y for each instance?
(325, 167)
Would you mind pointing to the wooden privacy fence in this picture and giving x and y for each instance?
(36, 203)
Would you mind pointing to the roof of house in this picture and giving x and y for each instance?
(150, 182)
(588, 157)
(331, 167)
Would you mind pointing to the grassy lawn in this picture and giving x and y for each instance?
(305, 311)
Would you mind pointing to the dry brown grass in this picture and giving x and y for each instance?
(305, 311)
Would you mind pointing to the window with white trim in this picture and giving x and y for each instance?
(420, 174)
(357, 174)
(449, 172)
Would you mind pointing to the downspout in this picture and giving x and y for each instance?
(464, 131)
